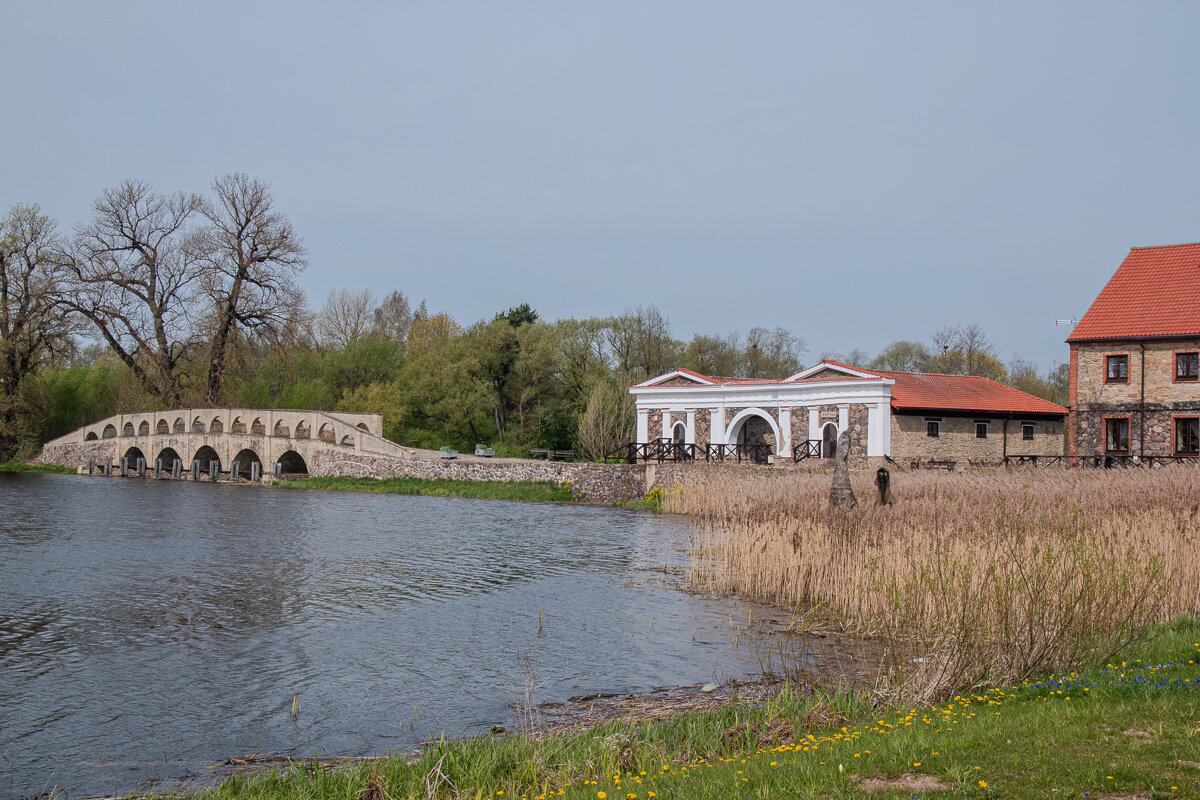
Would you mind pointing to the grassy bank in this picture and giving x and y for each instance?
(20, 466)
(1130, 729)
(540, 491)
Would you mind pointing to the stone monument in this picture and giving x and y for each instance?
(841, 495)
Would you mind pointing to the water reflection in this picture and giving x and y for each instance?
(149, 628)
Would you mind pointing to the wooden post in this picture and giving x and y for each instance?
(883, 480)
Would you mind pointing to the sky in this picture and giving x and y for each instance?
(856, 172)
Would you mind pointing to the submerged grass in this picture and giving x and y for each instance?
(540, 491)
(1127, 729)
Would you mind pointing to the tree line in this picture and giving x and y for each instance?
(167, 300)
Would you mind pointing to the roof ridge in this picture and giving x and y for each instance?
(1161, 246)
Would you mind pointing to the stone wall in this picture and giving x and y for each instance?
(703, 426)
(857, 419)
(957, 439)
(654, 425)
(1093, 399)
(799, 426)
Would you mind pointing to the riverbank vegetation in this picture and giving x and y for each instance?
(973, 579)
(1129, 728)
(534, 491)
(154, 302)
(17, 465)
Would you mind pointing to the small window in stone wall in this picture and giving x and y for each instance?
(1116, 435)
(981, 430)
(1187, 367)
(1187, 436)
(1116, 369)
(1027, 432)
(933, 427)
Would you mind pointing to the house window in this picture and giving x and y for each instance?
(1187, 436)
(1116, 369)
(1187, 366)
(980, 430)
(1027, 432)
(1116, 435)
(933, 427)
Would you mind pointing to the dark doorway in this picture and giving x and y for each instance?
(244, 459)
(168, 457)
(756, 439)
(829, 435)
(132, 455)
(679, 433)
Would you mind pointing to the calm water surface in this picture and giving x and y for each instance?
(151, 628)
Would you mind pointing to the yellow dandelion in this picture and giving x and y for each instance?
(983, 784)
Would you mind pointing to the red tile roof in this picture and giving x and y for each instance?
(932, 391)
(1155, 292)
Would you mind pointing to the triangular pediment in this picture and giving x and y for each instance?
(829, 371)
(678, 377)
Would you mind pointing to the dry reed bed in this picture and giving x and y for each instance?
(975, 577)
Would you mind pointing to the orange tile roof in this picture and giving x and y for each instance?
(927, 390)
(1155, 292)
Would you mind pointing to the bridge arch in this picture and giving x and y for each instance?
(133, 454)
(198, 425)
(179, 426)
(347, 441)
(110, 432)
(162, 427)
(302, 430)
(257, 428)
(237, 426)
(293, 463)
(281, 430)
(91, 436)
(245, 458)
(216, 426)
(326, 434)
(144, 428)
(168, 457)
(206, 455)
(127, 430)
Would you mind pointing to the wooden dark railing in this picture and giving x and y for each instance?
(810, 448)
(664, 450)
(1099, 462)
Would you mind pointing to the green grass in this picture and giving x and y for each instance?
(1122, 730)
(17, 465)
(539, 491)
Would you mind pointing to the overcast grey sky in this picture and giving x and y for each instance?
(857, 172)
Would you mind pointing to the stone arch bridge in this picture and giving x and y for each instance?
(300, 442)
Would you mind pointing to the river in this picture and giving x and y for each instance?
(151, 628)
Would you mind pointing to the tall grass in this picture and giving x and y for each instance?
(972, 579)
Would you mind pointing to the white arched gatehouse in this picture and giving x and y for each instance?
(737, 426)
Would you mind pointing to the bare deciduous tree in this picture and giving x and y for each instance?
(346, 317)
(251, 255)
(133, 273)
(393, 318)
(32, 324)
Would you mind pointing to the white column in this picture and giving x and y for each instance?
(814, 423)
(717, 425)
(643, 425)
(843, 417)
(784, 446)
(666, 425)
(689, 437)
(874, 439)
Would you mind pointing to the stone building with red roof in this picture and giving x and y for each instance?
(1135, 359)
(907, 416)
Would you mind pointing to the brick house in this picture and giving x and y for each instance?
(1135, 359)
(906, 416)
